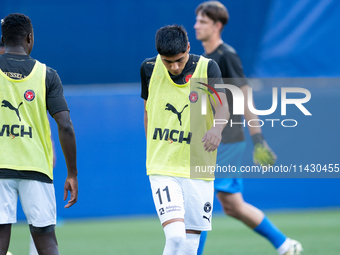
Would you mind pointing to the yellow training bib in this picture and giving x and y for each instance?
(25, 135)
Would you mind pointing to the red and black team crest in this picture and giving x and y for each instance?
(29, 95)
(193, 97)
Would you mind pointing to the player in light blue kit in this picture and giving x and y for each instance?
(211, 17)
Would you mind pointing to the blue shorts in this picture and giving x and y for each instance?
(229, 154)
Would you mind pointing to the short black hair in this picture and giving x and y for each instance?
(1, 44)
(15, 27)
(214, 10)
(171, 40)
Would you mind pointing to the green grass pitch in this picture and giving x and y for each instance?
(318, 231)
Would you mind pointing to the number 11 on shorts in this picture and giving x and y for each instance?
(167, 194)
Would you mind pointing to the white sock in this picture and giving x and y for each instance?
(191, 244)
(284, 247)
(174, 238)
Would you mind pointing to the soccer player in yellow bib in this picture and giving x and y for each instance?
(27, 90)
(32, 249)
(211, 16)
(179, 139)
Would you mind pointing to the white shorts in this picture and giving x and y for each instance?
(37, 200)
(189, 199)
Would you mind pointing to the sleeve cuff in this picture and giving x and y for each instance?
(257, 138)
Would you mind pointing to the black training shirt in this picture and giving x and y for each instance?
(232, 73)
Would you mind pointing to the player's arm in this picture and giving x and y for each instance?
(145, 73)
(57, 106)
(213, 136)
(262, 153)
(232, 67)
(67, 140)
(248, 115)
(145, 119)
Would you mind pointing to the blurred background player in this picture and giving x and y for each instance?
(165, 90)
(211, 16)
(30, 175)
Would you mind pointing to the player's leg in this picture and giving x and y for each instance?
(5, 235)
(167, 195)
(45, 239)
(174, 232)
(32, 249)
(8, 211)
(39, 205)
(229, 154)
(229, 193)
(201, 245)
(234, 206)
(191, 242)
(198, 197)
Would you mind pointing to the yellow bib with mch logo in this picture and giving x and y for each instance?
(25, 135)
(176, 126)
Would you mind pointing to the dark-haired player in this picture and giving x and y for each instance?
(211, 16)
(183, 204)
(27, 90)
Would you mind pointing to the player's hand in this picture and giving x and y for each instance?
(212, 139)
(71, 184)
(263, 154)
